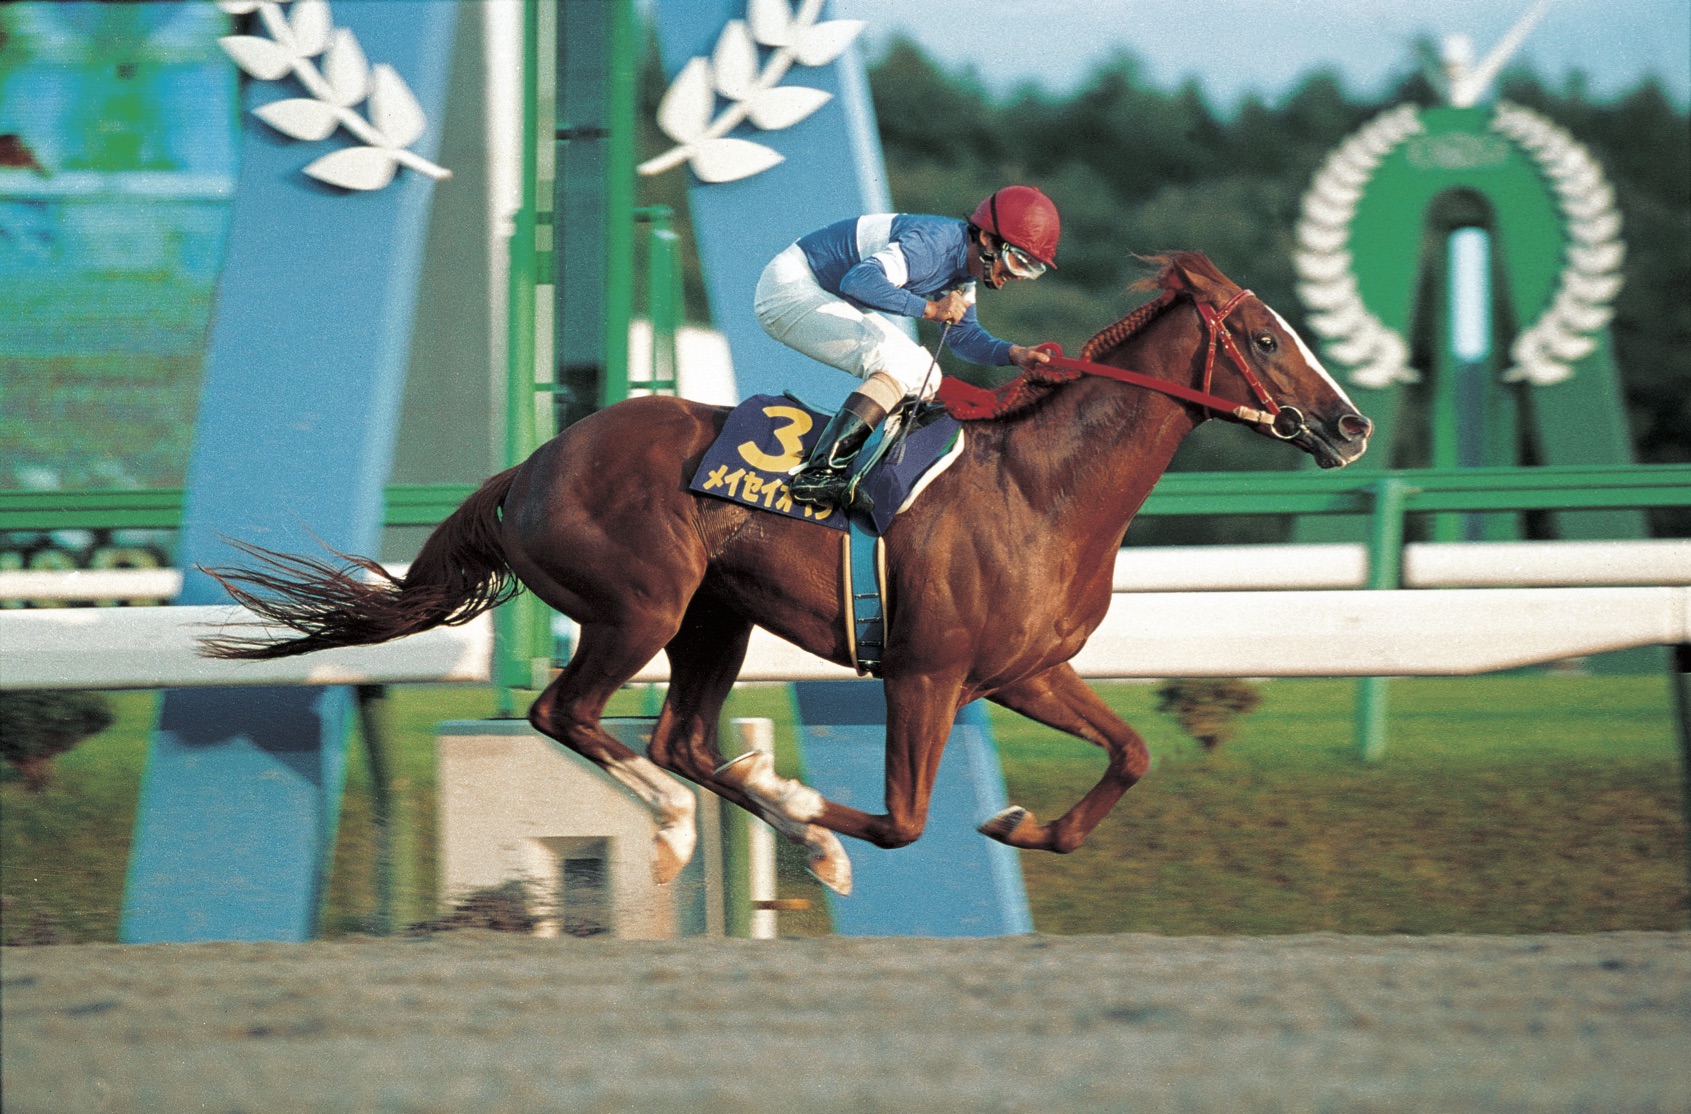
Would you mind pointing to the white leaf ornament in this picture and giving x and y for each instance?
(356, 168)
(309, 21)
(394, 109)
(735, 62)
(728, 160)
(821, 44)
(771, 21)
(684, 112)
(300, 118)
(346, 70)
(258, 57)
(749, 78)
(784, 106)
(335, 83)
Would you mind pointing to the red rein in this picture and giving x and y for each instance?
(970, 402)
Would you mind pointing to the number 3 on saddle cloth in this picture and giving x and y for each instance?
(765, 440)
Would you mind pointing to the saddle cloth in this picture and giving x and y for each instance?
(766, 437)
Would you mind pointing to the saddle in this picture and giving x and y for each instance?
(767, 437)
(765, 440)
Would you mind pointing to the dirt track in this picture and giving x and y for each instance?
(482, 1022)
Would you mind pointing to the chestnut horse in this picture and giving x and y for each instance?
(996, 576)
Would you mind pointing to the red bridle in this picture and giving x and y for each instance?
(1271, 413)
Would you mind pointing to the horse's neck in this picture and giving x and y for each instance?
(1091, 453)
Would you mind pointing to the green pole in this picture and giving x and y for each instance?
(373, 723)
(522, 628)
(663, 295)
(543, 377)
(623, 70)
(1385, 571)
(1680, 679)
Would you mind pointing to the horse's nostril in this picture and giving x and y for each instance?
(1354, 426)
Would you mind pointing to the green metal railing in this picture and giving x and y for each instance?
(1604, 487)
(663, 300)
(1179, 493)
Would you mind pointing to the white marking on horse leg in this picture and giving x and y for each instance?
(827, 861)
(672, 805)
(753, 773)
(672, 850)
(1002, 823)
(825, 858)
(668, 799)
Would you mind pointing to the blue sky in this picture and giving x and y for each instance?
(1238, 46)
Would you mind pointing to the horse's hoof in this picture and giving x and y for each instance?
(828, 862)
(672, 850)
(1001, 825)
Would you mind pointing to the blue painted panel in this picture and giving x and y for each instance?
(951, 882)
(833, 170)
(304, 380)
(237, 816)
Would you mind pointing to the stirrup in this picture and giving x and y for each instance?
(823, 486)
(825, 475)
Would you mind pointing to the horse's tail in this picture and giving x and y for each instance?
(459, 574)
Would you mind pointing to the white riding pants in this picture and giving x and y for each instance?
(794, 309)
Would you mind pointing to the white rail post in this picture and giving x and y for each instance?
(759, 734)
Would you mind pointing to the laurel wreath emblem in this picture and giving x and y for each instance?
(1376, 353)
(753, 89)
(1544, 352)
(305, 32)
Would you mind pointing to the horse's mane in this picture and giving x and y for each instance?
(1033, 386)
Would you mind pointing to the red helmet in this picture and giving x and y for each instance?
(1024, 217)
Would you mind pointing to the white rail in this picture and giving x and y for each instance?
(1161, 569)
(1288, 611)
(155, 647)
(1425, 565)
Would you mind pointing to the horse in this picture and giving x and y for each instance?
(995, 577)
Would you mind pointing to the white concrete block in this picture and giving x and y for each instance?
(514, 805)
(518, 807)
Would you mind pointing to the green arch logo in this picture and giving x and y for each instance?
(1549, 207)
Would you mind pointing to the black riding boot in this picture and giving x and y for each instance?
(826, 473)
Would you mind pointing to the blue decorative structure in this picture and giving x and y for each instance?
(951, 882)
(294, 441)
(831, 169)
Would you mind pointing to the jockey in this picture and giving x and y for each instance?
(825, 295)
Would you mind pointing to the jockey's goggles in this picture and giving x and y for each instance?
(1020, 263)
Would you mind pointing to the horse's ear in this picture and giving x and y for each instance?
(1187, 272)
(1193, 272)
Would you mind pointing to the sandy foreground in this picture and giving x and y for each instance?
(491, 1022)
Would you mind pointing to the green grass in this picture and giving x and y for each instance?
(1525, 803)
(63, 851)
(1503, 804)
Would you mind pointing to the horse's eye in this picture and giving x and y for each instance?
(1267, 342)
